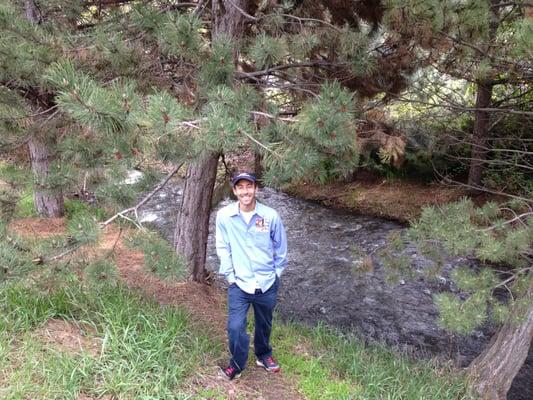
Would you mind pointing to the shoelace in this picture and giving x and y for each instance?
(230, 370)
(270, 360)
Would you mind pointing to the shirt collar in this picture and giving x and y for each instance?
(258, 209)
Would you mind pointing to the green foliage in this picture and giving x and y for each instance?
(35, 50)
(25, 206)
(116, 195)
(321, 145)
(462, 229)
(228, 118)
(15, 259)
(162, 122)
(461, 316)
(354, 48)
(512, 180)
(83, 227)
(102, 272)
(267, 50)
(73, 208)
(181, 37)
(104, 110)
(13, 111)
(472, 282)
(121, 55)
(303, 44)
(218, 69)
(524, 37)
(159, 256)
(449, 225)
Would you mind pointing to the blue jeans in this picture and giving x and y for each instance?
(238, 305)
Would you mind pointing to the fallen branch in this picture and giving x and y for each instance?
(123, 213)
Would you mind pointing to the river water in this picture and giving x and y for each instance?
(321, 283)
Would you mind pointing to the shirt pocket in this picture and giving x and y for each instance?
(262, 239)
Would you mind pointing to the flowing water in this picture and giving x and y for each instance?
(321, 282)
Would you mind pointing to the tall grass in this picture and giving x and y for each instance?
(330, 365)
(146, 351)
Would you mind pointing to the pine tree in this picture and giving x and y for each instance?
(182, 82)
(481, 42)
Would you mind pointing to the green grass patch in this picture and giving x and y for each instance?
(329, 365)
(146, 351)
(25, 206)
(77, 207)
(15, 256)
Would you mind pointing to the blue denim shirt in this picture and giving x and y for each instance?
(251, 253)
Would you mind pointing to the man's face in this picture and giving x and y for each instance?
(245, 192)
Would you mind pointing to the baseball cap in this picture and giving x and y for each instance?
(243, 175)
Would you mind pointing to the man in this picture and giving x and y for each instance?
(252, 246)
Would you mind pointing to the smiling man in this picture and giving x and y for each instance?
(252, 246)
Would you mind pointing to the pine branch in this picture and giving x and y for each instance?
(264, 114)
(267, 71)
(143, 201)
(262, 145)
(510, 221)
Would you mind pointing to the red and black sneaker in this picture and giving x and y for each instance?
(230, 373)
(269, 364)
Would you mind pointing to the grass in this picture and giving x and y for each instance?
(330, 365)
(146, 351)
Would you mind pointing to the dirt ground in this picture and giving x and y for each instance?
(371, 195)
(206, 305)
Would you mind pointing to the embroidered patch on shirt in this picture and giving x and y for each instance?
(262, 225)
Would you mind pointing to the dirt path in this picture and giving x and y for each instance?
(206, 304)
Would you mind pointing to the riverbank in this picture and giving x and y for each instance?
(398, 200)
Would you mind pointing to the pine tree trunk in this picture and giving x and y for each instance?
(228, 18)
(48, 200)
(480, 133)
(192, 226)
(493, 371)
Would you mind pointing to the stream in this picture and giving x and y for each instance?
(320, 283)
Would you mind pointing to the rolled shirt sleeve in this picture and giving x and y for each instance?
(224, 251)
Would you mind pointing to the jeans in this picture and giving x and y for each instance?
(238, 305)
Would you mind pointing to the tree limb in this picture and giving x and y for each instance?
(144, 200)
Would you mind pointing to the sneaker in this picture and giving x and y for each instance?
(269, 364)
(229, 373)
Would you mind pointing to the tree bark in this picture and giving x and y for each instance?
(228, 18)
(48, 199)
(480, 134)
(493, 371)
(192, 226)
